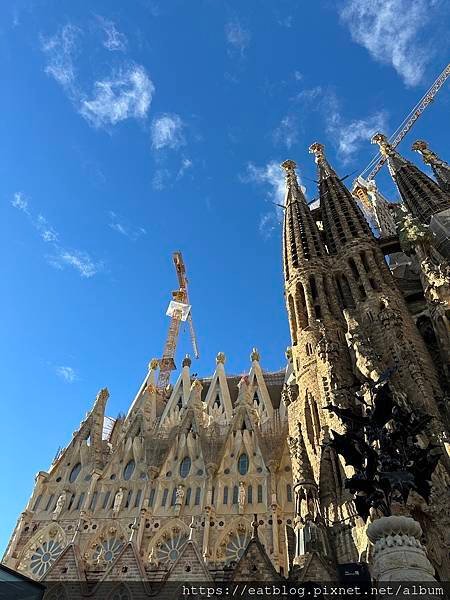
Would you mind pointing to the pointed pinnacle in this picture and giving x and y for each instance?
(318, 150)
(386, 148)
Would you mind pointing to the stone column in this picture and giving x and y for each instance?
(398, 554)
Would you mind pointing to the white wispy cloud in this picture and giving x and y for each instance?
(68, 374)
(61, 256)
(287, 131)
(237, 37)
(390, 31)
(167, 132)
(349, 135)
(59, 50)
(126, 94)
(20, 202)
(186, 164)
(160, 179)
(269, 176)
(114, 40)
(116, 223)
(78, 259)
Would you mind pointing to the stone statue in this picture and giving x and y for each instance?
(179, 495)
(59, 504)
(367, 361)
(438, 280)
(241, 496)
(118, 502)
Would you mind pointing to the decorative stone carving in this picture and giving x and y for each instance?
(59, 505)
(241, 497)
(438, 280)
(118, 502)
(153, 364)
(398, 554)
(220, 358)
(367, 361)
(255, 355)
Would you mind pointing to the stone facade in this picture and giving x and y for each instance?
(231, 477)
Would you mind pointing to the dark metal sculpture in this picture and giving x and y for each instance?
(381, 443)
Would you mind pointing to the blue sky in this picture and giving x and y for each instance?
(130, 130)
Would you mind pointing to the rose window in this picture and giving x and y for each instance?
(169, 549)
(236, 545)
(108, 550)
(44, 556)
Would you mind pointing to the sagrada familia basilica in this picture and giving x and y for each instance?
(227, 478)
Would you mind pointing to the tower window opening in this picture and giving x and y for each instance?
(49, 502)
(250, 494)
(373, 284)
(137, 498)
(364, 261)
(180, 403)
(164, 497)
(74, 472)
(301, 306)
(93, 501)
(129, 469)
(197, 496)
(38, 501)
(349, 302)
(151, 497)
(72, 498)
(185, 467)
(106, 499)
(235, 494)
(225, 495)
(243, 464)
(289, 492)
(80, 501)
(354, 268)
(174, 497)
(317, 311)
(260, 494)
(213, 494)
(187, 500)
(313, 286)
(293, 319)
(256, 399)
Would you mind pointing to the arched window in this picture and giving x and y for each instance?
(164, 497)
(74, 472)
(213, 493)
(225, 495)
(38, 501)
(174, 497)
(49, 502)
(243, 464)
(187, 500)
(129, 469)
(235, 494)
(197, 496)
(137, 498)
(185, 467)
(289, 492)
(151, 497)
(93, 501)
(260, 494)
(106, 499)
(80, 501)
(250, 495)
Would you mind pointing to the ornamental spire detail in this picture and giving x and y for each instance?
(440, 168)
(421, 195)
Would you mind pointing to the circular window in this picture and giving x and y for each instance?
(129, 469)
(185, 466)
(243, 464)
(75, 472)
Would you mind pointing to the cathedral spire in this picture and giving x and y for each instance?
(421, 195)
(302, 241)
(342, 219)
(441, 169)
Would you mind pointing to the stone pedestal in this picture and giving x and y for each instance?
(398, 554)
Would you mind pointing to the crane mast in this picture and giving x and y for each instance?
(179, 310)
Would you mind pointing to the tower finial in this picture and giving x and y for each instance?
(318, 150)
(386, 148)
(289, 167)
(429, 157)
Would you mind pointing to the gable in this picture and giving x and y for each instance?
(255, 565)
(189, 566)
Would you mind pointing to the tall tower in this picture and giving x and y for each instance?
(422, 196)
(349, 323)
(440, 168)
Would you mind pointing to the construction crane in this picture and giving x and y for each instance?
(378, 161)
(179, 310)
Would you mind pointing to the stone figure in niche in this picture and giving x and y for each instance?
(59, 504)
(118, 501)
